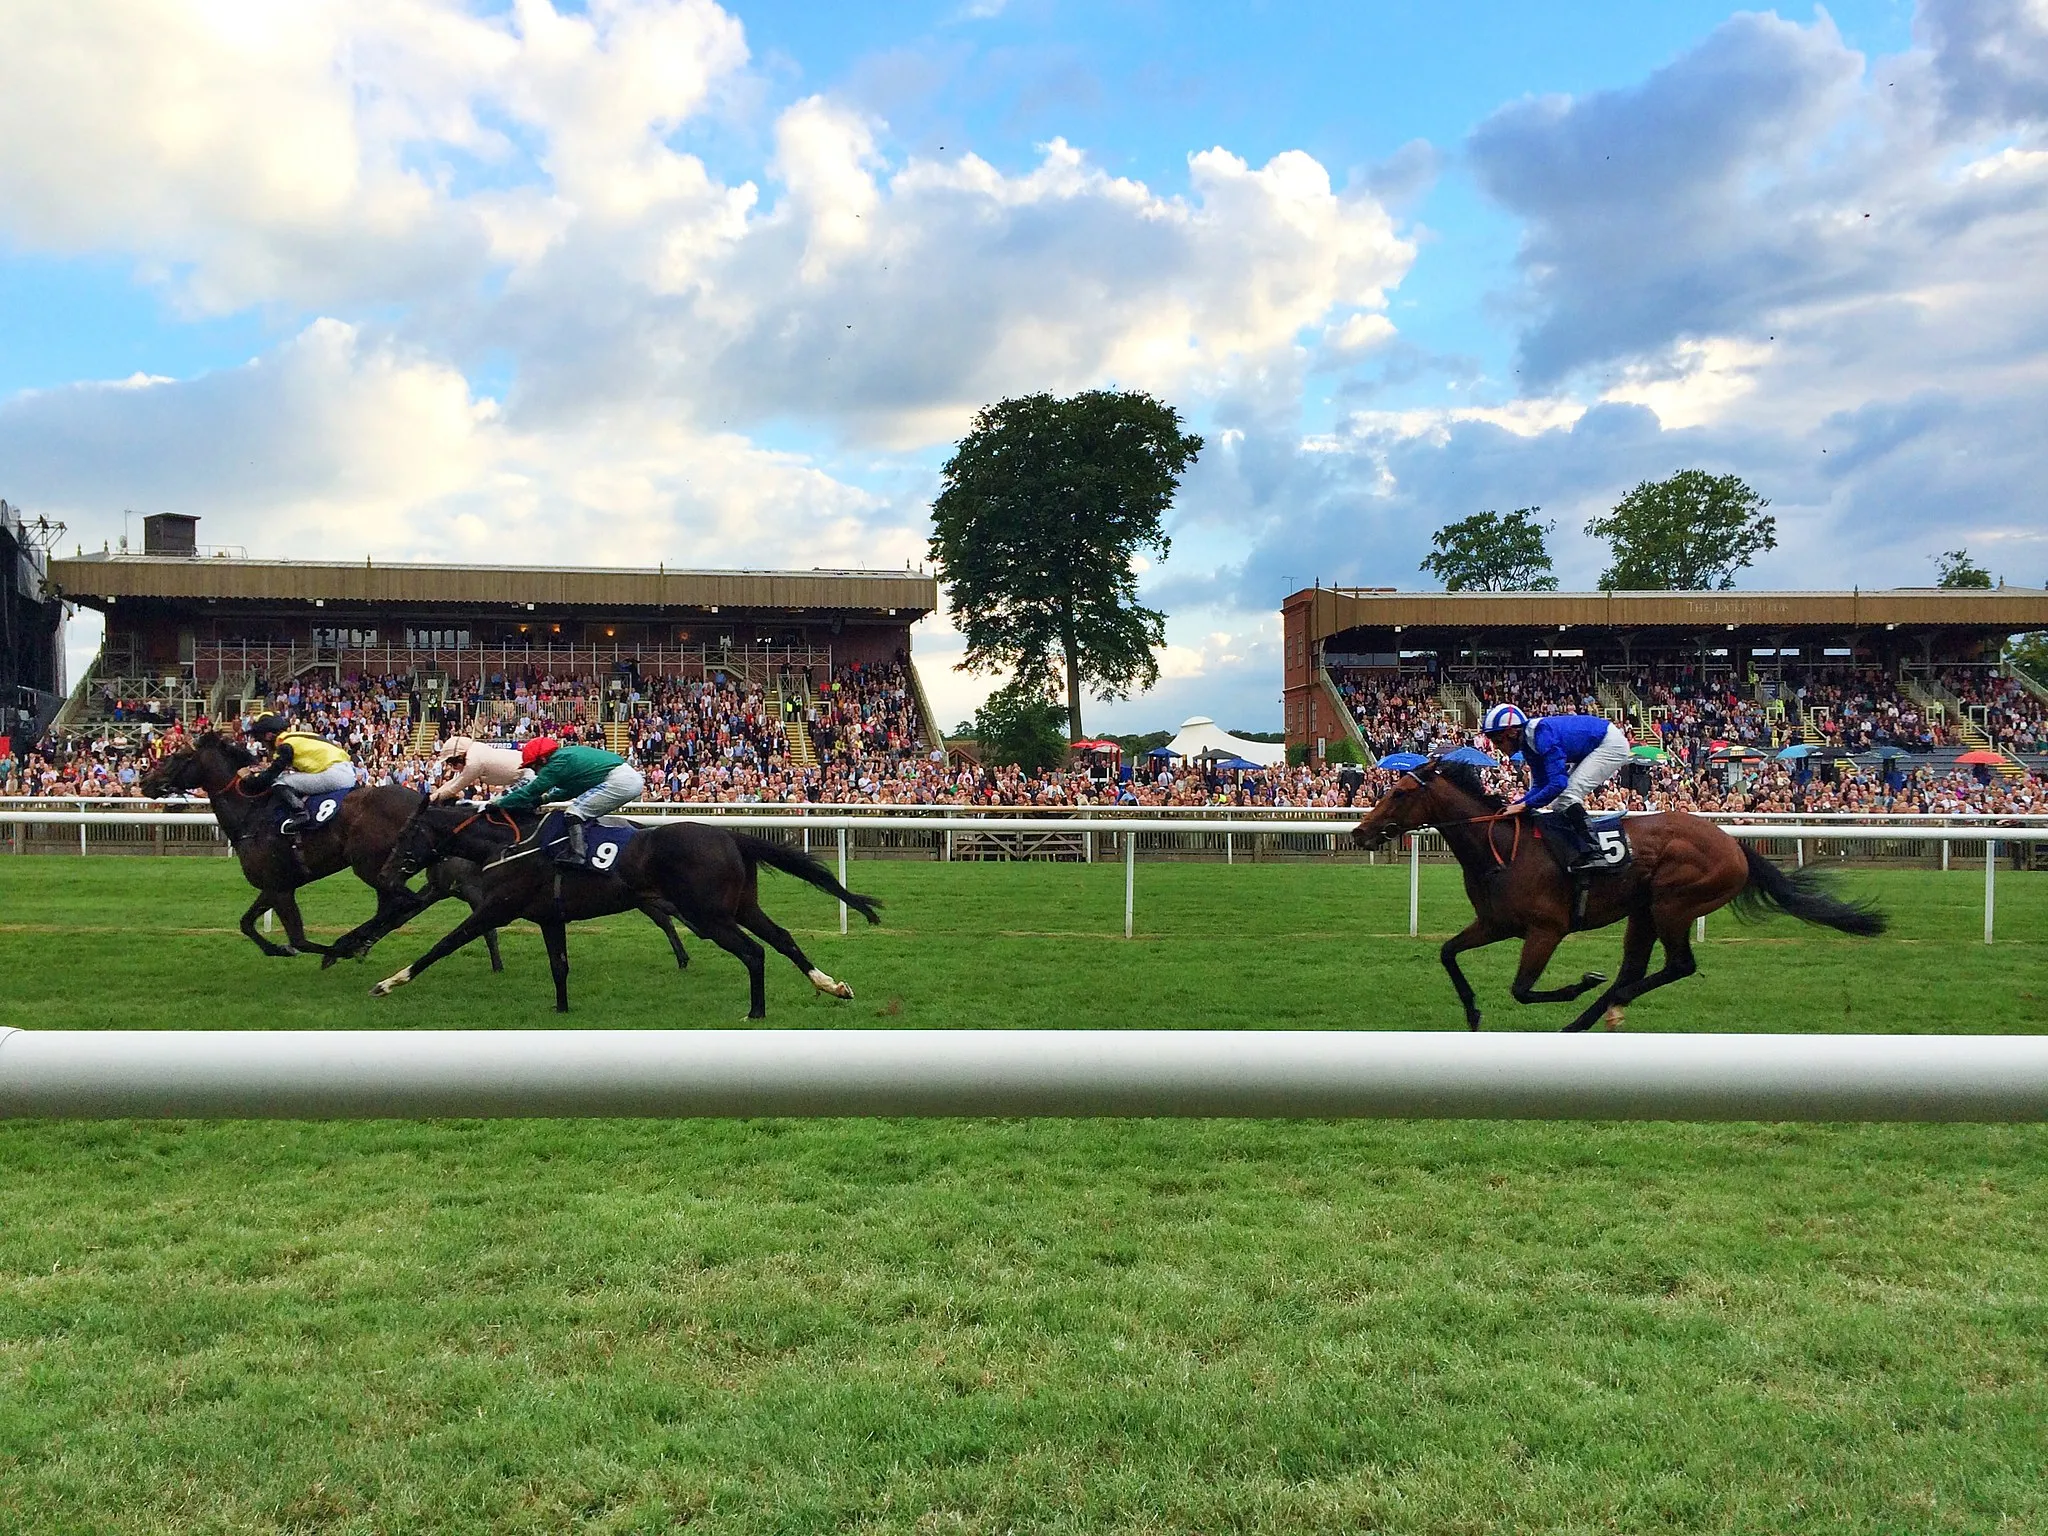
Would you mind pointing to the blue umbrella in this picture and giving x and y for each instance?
(1471, 755)
(1794, 752)
(1235, 765)
(1401, 762)
(1162, 752)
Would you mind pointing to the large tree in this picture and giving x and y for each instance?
(1020, 726)
(1955, 568)
(1690, 533)
(1493, 552)
(1044, 508)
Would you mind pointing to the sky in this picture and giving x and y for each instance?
(641, 281)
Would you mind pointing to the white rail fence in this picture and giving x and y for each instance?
(362, 1074)
(1125, 831)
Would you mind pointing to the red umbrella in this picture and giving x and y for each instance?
(1988, 759)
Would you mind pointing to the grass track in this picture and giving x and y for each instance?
(988, 1325)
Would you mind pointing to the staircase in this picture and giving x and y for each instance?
(1940, 703)
(426, 735)
(1614, 704)
(1345, 719)
(796, 732)
(618, 737)
(1460, 703)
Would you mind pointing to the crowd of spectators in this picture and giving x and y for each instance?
(721, 739)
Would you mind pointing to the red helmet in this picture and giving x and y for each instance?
(536, 749)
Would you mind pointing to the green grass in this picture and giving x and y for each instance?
(996, 1325)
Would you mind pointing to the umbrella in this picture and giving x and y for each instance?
(1162, 752)
(1470, 755)
(1737, 754)
(1097, 746)
(1980, 756)
(1401, 762)
(1794, 752)
(1236, 765)
(1649, 754)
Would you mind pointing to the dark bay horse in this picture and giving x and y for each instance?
(705, 874)
(359, 837)
(1683, 868)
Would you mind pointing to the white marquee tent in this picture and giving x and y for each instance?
(1202, 734)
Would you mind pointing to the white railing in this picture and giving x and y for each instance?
(414, 1074)
(1128, 828)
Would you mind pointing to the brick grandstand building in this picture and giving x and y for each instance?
(1935, 650)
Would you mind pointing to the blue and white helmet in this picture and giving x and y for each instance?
(1503, 717)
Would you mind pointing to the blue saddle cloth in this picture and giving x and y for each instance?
(604, 840)
(320, 809)
(1611, 850)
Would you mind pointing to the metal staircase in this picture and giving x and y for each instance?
(1931, 696)
(1345, 718)
(794, 705)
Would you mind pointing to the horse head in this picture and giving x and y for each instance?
(425, 839)
(1428, 794)
(205, 766)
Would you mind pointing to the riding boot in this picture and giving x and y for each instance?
(578, 852)
(1574, 817)
(294, 804)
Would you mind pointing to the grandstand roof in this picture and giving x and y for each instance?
(1331, 610)
(94, 579)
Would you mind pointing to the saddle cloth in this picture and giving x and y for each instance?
(320, 809)
(1611, 851)
(604, 840)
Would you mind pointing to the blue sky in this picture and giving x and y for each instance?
(656, 279)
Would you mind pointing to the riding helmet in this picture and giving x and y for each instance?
(536, 749)
(267, 725)
(1503, 717)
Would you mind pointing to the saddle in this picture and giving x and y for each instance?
(1608, 854)
(604, 840)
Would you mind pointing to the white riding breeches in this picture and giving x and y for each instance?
(622, 786)
(326, 781)
(1594, 769)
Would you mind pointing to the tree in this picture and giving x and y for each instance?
(1044, 508)
(1955, 568)
(1019, 724)
(1493, 552)
(1690, 533)
(2030, 654)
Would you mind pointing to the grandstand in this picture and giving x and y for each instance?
(762, 673)
(30, 624)
(1916, 672)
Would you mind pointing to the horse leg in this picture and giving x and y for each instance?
(478, 923)
(783, 943)
(556, 936)
(1674, 931)
(491, 943)
(287, 905)
(1476, 935)
(263, 903)
(394, 910)
(660, 913)
(1636, 945)
(1537, 949)
(731, 938)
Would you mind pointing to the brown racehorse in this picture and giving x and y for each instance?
(360, 837)
(1683, 868)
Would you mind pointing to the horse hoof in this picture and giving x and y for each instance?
(286, 953)
(1612, 1019)
(1592, 978)
(327, 960)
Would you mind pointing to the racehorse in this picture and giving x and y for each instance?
(359, 836)
(705, 874)
(1682, 869)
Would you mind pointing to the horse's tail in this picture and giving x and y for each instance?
(792, 861)
(1804, 894)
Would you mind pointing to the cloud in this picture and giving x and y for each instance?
(1990, 57)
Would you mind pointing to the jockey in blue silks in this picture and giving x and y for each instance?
(1568, 757)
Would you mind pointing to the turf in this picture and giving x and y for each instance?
(1013, 1325)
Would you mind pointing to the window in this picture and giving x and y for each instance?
(437, 639)
(338, 638)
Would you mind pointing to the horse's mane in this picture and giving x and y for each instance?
(1466, 777)
(233, 750)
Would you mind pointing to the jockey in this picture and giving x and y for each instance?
(301, 764)
(495, 764)
(1568, 757)
(600, 781)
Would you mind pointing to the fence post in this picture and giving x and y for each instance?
(1944, 855)
(1990, 883)
(1230, 848)
(1699, 930)
(1799, 852)
(1130, 879)
(81, 839)
(842, 877)
(1414, 885)
(949, 845)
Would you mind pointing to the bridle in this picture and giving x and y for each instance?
(1487, 821)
